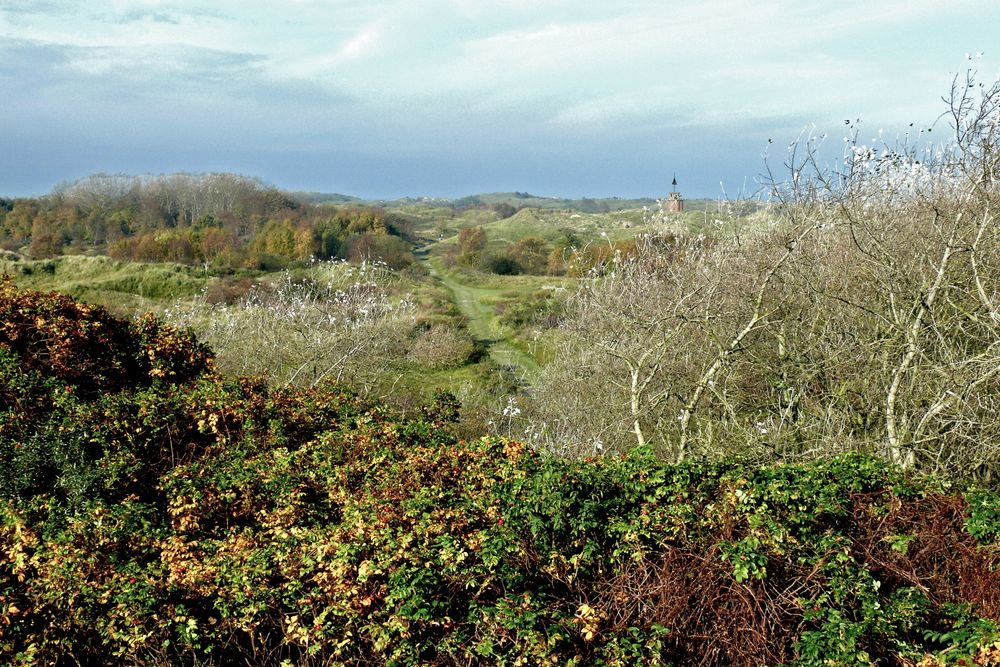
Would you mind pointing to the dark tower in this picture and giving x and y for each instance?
(675, 203)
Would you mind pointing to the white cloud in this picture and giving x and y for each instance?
(362, 43)
(459, 75)
(629, 107)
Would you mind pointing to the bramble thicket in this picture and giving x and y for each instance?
(154, 512)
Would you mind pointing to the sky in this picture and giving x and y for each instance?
(444, 98)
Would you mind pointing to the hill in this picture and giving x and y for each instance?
(324, 198)
(527, 200)
(516, 200)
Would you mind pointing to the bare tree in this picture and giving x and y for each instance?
(857, 310)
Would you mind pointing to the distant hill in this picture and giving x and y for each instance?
(553, 224)
(516, 200)
(527, 200)
(324, 198)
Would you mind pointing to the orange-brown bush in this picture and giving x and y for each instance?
(86, 347)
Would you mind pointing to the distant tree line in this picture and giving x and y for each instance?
(217, 219)
(567, 255)
(506, 205)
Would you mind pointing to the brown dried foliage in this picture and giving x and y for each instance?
(941, 558)
(716, 620)
(713, 619)
(87, 347)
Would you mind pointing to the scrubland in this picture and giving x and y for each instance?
(462, 433)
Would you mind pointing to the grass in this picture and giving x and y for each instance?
(436, 224)
(477, 303)
(419, 384)
(120, 285)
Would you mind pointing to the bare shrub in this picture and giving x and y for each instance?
(337, 321)
(650, 341)
(859, 311)
(441, 346)
(227, 290)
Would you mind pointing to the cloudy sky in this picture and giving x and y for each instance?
(385, 98)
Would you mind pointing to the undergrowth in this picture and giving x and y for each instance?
(154, 513)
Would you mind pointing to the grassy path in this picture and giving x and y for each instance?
(477, 305)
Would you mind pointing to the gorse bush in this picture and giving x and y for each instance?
(64, 369)
(184, 518)
(90, 350)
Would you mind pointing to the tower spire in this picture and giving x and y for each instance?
(675, 203)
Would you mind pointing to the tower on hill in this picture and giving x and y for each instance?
(675, 203)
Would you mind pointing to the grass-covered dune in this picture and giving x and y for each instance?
(130, 286)
(153, 513)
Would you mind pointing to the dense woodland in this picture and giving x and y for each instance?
(219, 220)
(229, 222)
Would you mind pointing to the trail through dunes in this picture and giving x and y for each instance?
(477, 305)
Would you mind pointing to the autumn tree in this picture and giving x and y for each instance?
(531, 255)
(46, 241)
(471, 244)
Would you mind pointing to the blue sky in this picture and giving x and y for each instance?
(451, 97)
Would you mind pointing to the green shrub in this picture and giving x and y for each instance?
(227, 522)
